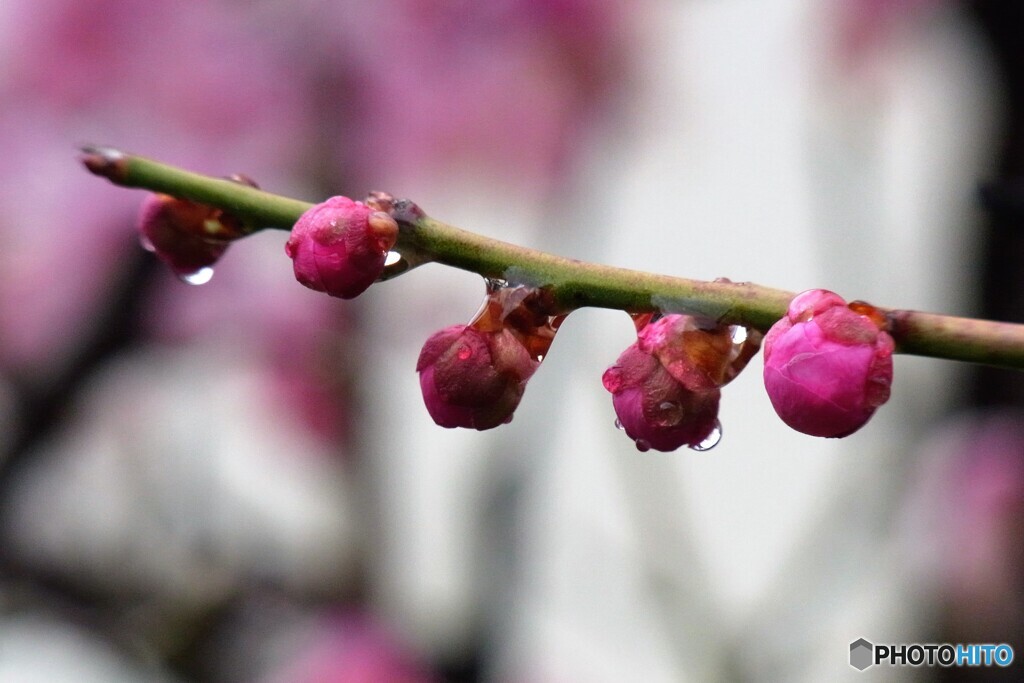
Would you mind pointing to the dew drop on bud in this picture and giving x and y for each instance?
(200, 277)
(392, 258)
(738, 334)
(146, 243)
(670, 413)
(711, 440)
(618, 424)
(464, 352)
(642, 446)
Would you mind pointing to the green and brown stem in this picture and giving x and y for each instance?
(574, 284)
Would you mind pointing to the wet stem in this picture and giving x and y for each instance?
(572, 284)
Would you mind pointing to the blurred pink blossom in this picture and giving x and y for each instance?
(983, 520)
(864, 26)
(147, 75)
(352, 648)
(143, 74)
(507, 87)
(61, 238)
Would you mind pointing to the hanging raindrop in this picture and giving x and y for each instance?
(392, 258)
(200, 277)
(711, 440)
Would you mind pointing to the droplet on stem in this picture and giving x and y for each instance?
(494, 284)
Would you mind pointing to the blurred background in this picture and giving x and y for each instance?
(239, 482)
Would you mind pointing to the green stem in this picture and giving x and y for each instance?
(256, 207)
(573, 283)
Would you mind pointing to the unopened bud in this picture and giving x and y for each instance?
(185, 235)
(473, 379)
(340, 246)
(666, 387)
(827, 365)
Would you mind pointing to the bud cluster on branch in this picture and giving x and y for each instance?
(827, 363)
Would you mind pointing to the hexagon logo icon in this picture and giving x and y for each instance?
(861, 652)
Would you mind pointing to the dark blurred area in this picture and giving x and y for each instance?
(1002, 291)
(224, 483)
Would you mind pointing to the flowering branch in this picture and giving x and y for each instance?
(573, 284)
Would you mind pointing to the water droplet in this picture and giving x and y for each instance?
(739, 334)
(642, 446)
(670, 413)
(464, 352)
(200, 277)
(711, 440)
(494, 284)
(618, 424)
(392, 258)
(146, 243)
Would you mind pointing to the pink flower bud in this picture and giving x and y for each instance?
(665, 387)
(474, 375)
(827, 365)
(340, 245)
(473, 379)
(654, 408)
(186, 236)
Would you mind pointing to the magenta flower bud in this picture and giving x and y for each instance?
(473, 379)
(827, 365)
(339, 246)
(654, 408)
(666, 387)
(186, 236)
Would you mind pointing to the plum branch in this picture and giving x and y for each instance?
(573, 284)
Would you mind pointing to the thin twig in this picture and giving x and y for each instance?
(573, 284)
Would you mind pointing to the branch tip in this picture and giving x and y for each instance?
(107, 162)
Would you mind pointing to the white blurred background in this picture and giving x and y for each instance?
(239, 482)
